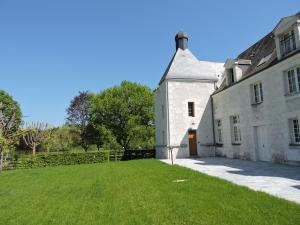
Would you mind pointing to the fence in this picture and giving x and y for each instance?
(138, 154)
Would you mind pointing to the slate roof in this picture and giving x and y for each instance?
(185, 66)
(262, 55)
(263, 49)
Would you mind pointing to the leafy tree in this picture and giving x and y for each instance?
(95, 135)
(48, 137)
(79, 115)
(102, 137)
(127, 111)
(11, 115)
(62, 138)
(10, 120)
(5, 147)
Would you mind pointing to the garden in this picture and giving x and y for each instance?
(113, 124)
(134, 192)
(78, 173)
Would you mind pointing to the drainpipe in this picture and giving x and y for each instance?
(168, 124)
(213, 123)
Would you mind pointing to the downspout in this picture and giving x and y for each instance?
(168, 124)
(213, 123)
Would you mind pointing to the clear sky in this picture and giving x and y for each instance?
(50, 50)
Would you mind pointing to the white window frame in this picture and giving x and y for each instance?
(292, 77)
(287, 43)
(294, 125)
(219, 131)
(236, 137)
(257, 93)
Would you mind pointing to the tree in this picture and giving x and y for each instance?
(11, 117)
(127, 111)
(95, 135)
(62, 138)
(4, 148)
(10, 120)
(34, 135)
(102, 137)
(79, 115)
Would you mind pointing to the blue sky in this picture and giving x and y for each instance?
(50, 50)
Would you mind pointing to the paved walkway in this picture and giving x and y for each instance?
(279, 180)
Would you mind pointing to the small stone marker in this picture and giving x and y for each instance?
(178, 181)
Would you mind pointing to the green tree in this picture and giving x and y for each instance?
(127, 112)
(102, 137)
(5, 147)
(10, 108)
(62, 138)
(10, 121)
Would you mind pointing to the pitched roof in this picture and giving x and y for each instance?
(262, 54)
(185, 66)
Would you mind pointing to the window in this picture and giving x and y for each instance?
(219, 132)
(295, 131)
(191, 109)
(230, 76)
(293, 80)
(236, 132)
(257, 93)
(287, 43)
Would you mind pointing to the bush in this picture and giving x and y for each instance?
(56, 159)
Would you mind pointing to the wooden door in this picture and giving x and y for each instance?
(193, 142)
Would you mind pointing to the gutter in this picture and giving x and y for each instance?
(213, 124)
(168, 124)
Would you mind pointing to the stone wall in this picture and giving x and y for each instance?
(180, 93)
(273, 113)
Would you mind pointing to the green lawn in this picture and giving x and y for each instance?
(135, 192)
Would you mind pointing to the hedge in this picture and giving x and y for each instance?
(56, 159)
(25, 161)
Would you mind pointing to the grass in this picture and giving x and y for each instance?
(135, 192)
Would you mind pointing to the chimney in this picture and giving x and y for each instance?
(181, 40)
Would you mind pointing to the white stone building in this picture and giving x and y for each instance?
(247, 108)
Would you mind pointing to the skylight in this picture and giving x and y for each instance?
(265, 59)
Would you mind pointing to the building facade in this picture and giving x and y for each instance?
(247, 108)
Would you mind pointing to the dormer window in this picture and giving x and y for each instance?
(287, 43)
(286, 35)
(230, 76)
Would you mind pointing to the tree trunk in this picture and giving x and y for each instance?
(33, 149)
(5, 159)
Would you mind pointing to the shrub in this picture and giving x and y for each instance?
(56, 159)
